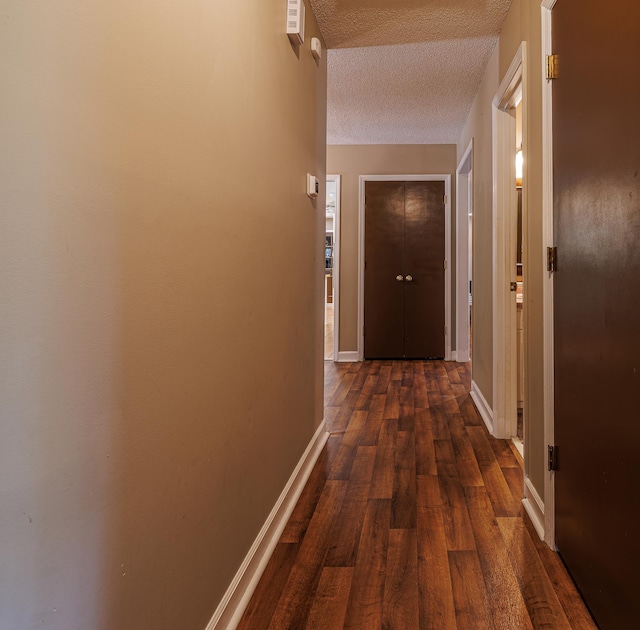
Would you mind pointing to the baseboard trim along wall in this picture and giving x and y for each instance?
(348, 357)
(534, 506)
(230, 610)
(482, 406)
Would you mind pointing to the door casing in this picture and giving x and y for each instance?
(446, 178)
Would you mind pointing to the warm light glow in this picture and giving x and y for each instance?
(519, 168)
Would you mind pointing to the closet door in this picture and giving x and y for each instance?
(424, 265)
(384, 270)
(404, 271)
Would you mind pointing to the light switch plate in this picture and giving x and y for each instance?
(316, 47)
(313, 186)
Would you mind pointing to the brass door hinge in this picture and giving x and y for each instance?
(552, 259)
(553, 63)
(553, 458)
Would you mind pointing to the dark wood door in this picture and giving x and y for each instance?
(596, 101)
(404, 271)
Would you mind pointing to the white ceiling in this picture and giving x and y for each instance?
(405, 71)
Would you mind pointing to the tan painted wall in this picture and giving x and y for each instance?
(160, 374)
(352, 161)
(522, 24)
(478, 127)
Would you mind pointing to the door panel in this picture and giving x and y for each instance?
(404, 274)
(384, 256)
(596, 101)
(424, 256)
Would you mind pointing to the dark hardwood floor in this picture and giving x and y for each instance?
(412, 518)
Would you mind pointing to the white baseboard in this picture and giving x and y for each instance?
(482, 406)
(462, 357)
(534, 506)
(519, 444)
(348, 357)
(454, 355)
(232, 606)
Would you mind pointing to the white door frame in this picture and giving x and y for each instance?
(336, 267)
(464, 208)
(446, 178)
(547, 297)
(511, 91)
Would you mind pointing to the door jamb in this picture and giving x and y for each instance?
(446, 178)
(464, 203)
(336, 267)
(547, 298)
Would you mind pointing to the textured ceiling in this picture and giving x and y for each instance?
(405, 71)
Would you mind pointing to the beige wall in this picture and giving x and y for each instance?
(160, 376)
(522, 24)
(478, 128)
(351, 162)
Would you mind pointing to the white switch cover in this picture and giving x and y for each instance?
(316, 47)
(313, 187)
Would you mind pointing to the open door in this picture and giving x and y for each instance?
(596, 157)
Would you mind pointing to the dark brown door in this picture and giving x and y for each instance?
(404, 271)
(596, 129)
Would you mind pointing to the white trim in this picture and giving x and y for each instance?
(519, 445)
(547, 296)
(232, 606)
(446, 178)
(454, 355)
(336, 265)
(534, 506)
(447, 270)
(464, 206)
(351, 356)
(512, 89)
(485, 411)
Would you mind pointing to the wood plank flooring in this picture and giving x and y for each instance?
(412, 518)
(328, 332)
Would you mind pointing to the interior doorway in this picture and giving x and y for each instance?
(517, 429)
(331, 268)
(507, 292)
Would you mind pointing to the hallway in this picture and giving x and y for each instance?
(412, 518)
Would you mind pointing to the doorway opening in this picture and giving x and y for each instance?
(517, 432)
(510, 253)
(331, 269)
